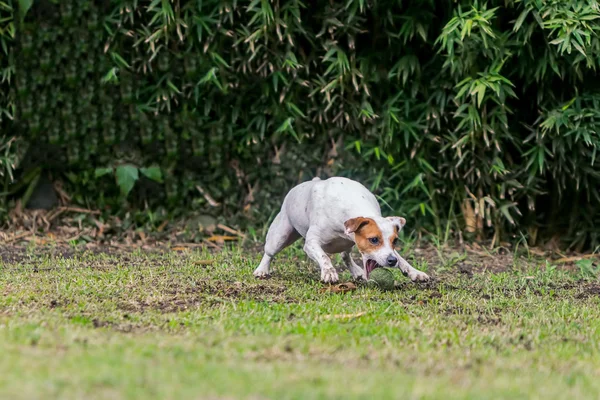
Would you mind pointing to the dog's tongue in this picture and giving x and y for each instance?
(371, 265)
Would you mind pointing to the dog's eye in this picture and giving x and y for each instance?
(374, 240)
(395, 242)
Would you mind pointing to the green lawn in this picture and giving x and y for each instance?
(172, 326)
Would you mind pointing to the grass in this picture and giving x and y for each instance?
(197, 325)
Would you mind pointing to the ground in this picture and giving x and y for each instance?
(193, 323)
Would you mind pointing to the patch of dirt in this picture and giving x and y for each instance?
(235, 290)
(486, 319)
(477, 260)
(18, 254)
(466, 270)
(31, 260)
(66, 224)
(124, 328)
(589, 291)
(433, 284)
(208, 293)
(12, 255)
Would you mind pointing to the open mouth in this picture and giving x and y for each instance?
(370, 266)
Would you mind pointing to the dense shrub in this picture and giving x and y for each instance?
(468, 116)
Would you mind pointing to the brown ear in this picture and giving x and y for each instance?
(354, 224)
(398, 222)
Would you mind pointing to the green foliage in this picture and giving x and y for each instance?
(127, 175)
(588, 269)
(10, 152)
(24, 6)
(468, 116)
(7, 65)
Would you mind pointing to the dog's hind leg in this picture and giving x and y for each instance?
(356, 271)
(280, 235)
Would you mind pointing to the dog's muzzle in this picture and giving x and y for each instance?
(391, 261)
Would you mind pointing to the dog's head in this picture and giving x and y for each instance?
(376, 238)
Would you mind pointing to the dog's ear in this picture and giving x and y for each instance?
(398, 222)
(354, 224)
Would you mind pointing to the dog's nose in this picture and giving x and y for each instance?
(391, 260)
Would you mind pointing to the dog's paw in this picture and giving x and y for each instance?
(418, 276)
(261, 273)
(357, 273)
(359, 276)
(329, 275)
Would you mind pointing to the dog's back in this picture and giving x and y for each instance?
(328, 202)
(347, 195)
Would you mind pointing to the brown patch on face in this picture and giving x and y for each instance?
(399, 223)
(394, 239)
(368, 238)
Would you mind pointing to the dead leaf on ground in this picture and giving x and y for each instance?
(340, 288)
(211, 244)
(17, 237)
(476, 252)
(162, 226)
(565, 260)
(341, 316)
(537, 252)
(230, 230)
(220, 238)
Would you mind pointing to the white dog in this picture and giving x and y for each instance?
(333, 215)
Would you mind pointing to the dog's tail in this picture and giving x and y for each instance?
(316, 178)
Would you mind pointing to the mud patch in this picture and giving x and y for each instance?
(433, 284)
(88, 320)
(485, 319)
(466, 270)
(16, 260)
(18, 254)
(474, 261)
(208, 294)
(124, 328)
(589, 291)
(96, 323)
(13, 255)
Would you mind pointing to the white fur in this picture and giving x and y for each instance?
(317, 211)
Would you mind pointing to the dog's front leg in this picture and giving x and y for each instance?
(357, 271)
(413, 273)
(313, 249)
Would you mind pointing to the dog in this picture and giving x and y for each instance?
(333, 215)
